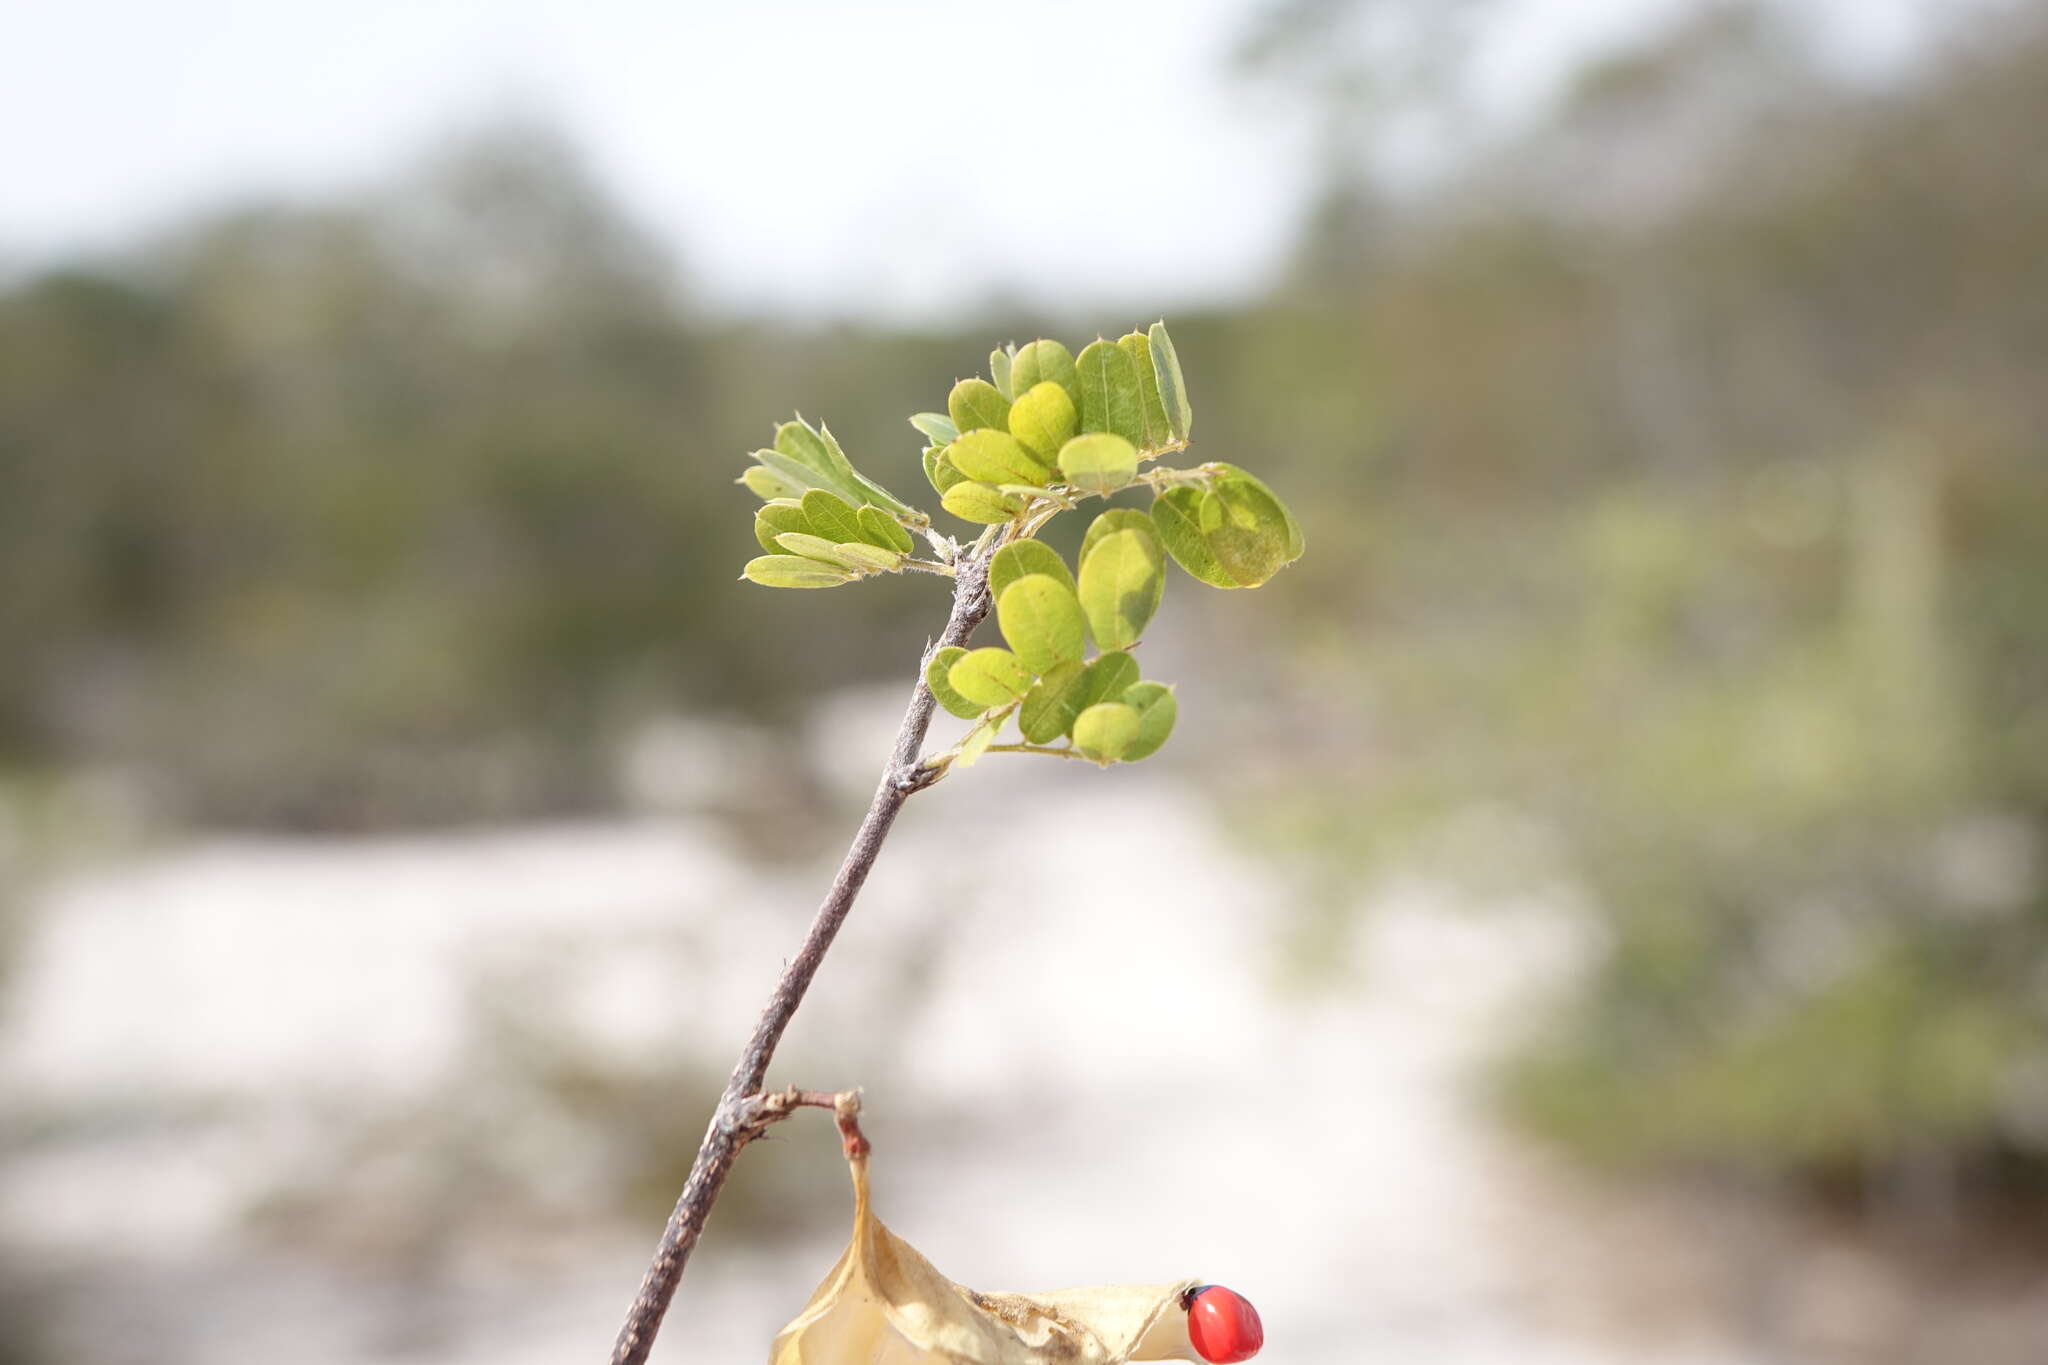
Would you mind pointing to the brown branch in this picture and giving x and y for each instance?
(743, 1110)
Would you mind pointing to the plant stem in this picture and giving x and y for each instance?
(737, 1118)
(1046, 749)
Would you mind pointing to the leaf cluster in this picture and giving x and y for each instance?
(1044, 431)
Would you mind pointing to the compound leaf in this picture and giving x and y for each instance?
(989, 677)
(1173, 392)
(976, 404)
(937, 679)
(767, 485)
(1294, 537)
(1098, 462)
(797, 440)
(772, 519)
(971, 501)
(1051, 705)
(1252, 533)
(1109, 677)
(939, 471)
(1041, 619)
(1156, 708)
(1120, 588)
(1158, 431)
(868, 558)
(1106, 731)
(1114, 519)
(879, 528)
(977, 742)
(794, 571)
(988, 456)
(1021, 557)
(831, 516)
(819, 453)
(1044, 419)
(813, 547)
(1178, 513)
(1045, 361)
(1110, 397)
(936, 427)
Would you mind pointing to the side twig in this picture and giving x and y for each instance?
(743, 1110)
(776, 1105)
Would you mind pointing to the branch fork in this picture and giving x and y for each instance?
(757, 1112)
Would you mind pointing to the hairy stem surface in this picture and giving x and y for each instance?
(736, 1120)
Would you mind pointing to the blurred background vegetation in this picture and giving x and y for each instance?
(1675, 480)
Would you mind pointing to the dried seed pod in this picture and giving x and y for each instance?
(885, 1304)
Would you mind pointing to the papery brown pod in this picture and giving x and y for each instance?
(885, 1304)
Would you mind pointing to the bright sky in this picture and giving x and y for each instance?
(890, 157)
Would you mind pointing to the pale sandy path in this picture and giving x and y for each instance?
(1120, 1087)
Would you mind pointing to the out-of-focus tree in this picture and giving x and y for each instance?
(1696, 444)
(1383, 79)
(390, 510)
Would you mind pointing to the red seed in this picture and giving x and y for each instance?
(1224, 1326)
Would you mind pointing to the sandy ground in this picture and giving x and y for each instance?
(1082, 1064)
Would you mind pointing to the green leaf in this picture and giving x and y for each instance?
(999, 371)
(1120, 587)
(1050, 706)
(1294, 537)
(833, 451)
(767, 485)
(806, 447)
(1042, 621)
(996, 457)
(1173, 391)
(879, 528)
(878, 496)
(792, 471)
(1021, 557)
(814, 547)
(1110, 397)
(819, 453)
(989, 677)
(1178, 514)
(1156, 708)
(793, 571)
(775, 518)
(939, 471)
(936, 427)
(935, 677)
(1044, 419)
(1158, 431)
(1109, 677)
(1106, 731)
(831, 516)
(975, 404)
(977, 742)
(1251, 533)
(1042, 362)
(868, 558)
(971, 501)
(1114, 519)
(1098, 462)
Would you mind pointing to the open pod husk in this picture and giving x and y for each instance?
(885, 1304)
